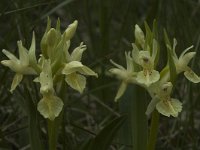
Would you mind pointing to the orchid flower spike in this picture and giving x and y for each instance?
(74, 70)
(146, 60)
(126, 75)
(182, 63)
(22, 65)
(164, 103)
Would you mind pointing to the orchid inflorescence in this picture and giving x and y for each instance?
(55, 64)
(141, 70)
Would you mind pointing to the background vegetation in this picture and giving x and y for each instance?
(107, 28)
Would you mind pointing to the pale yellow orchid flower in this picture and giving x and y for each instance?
(163, 102)
(182, 62)
(146, 60)
(74, 69)
(127, 75)
(22, 65)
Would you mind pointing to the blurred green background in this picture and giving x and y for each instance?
(107, 28)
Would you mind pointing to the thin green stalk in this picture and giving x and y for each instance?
(52, 134)
(153, 130)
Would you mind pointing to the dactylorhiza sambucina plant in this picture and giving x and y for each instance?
(54, 65)
(141, 70)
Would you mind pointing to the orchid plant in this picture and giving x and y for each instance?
(144, 56)
(55, 64)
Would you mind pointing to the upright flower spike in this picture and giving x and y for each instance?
(164, 103)
(21, 66)
(126, 75)
(146, 60)
(74, 70)
(182, 63)
(50, 105)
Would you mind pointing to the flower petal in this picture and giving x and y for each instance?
(50, 107)
(152, 105)
(177, 106)
(45, 78)
(191, 76)
(16, 80)
(129, 62)
(135, 53)
(77, 52)
(76, 81)
(167, 108)
(10, 55)
(76, 66)
(87, 71)
(155, 49)
(185, 59)
(121, 90)
(173, 49)
(117, 65)
(14, 66)
(23, 54)
(120, 74)
(163, 108)
(31, 52)
(71, 67)
(148, 78)
(186, 50)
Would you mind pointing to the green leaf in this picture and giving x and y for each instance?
(135, 129)
(104, 138)
(172, 67)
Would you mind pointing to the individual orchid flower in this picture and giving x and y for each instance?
(163, 102)
(182, 62)
(74, 69)
(22, 65)
(146, 60)
(126, 75)
(50, 105)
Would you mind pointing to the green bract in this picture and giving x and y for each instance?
(54, 65)
(139, 36)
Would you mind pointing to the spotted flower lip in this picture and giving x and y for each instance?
(182, 62)
(125, 75)
(164, 104)
(146, 60)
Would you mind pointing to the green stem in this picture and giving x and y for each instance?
(153, 130)
(52, 134)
